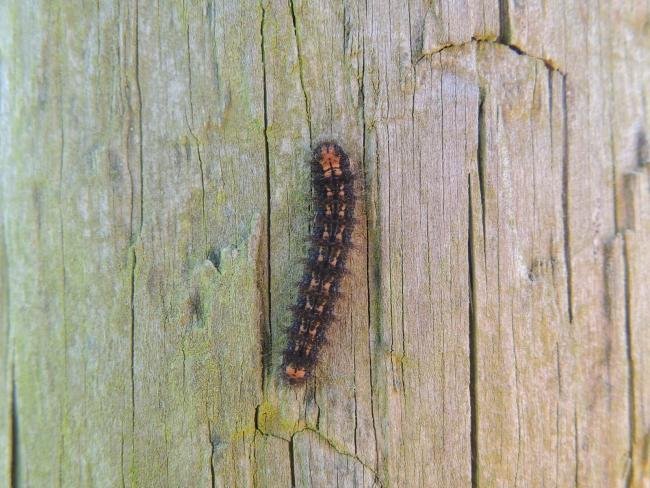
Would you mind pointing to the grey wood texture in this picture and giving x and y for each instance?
(154, 204)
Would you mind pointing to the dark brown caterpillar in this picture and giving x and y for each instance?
(331, 236)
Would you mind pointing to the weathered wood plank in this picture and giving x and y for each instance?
(423, 320)
(605, 58)
(523, 398)
(67, 243)
(199, 285)
(154, 197)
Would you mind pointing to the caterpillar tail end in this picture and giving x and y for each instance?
(294, 375)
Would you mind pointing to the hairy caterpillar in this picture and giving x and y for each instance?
(334, 198)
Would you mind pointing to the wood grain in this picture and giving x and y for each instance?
(154, 195)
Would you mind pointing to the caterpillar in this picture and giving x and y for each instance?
(331, 241)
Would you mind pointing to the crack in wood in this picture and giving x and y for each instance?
(505, 27)
(267, 340)
(212, 449)
(132, 355)
(632, 189)
(292, 461)
(14, 432)
(471, 275)
(630, 362)
(550, 64)
(301, 69)
(13, 437)
(335, 448)
(566, 201)
(189, 124)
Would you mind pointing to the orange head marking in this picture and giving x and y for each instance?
(329, 160)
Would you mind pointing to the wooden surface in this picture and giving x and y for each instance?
(154, 196)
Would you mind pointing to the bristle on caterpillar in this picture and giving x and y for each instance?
(331, 242)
